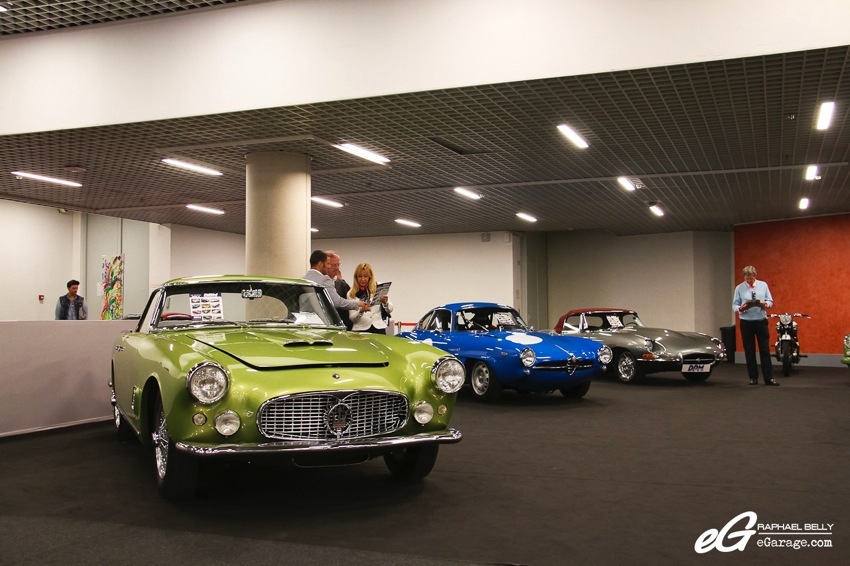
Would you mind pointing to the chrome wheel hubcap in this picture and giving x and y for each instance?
(480, 379)
(160, 444)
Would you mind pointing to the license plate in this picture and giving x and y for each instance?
(696, 368)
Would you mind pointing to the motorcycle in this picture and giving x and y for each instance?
(787, 347)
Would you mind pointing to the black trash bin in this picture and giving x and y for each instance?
(728, 336)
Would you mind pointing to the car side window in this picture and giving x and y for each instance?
(146, 318)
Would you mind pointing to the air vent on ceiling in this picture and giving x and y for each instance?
(458, 149)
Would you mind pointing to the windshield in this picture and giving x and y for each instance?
(607, 320)
(489, 318)
(244, 302)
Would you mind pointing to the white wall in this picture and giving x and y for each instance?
(37, 256)
(431, 270)
(286, 52)
(656, 275)
(195, 251)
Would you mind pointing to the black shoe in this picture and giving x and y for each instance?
(754, 382)
(772, 382)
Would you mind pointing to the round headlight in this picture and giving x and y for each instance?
(423, 413)
(448, 374)
(785, 318)
(207, 383)
(227, 423)
(528, 357)
(605, 355)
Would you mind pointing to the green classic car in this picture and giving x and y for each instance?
(243, 367)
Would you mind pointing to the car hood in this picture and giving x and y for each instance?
(276, 348)
(670, 338)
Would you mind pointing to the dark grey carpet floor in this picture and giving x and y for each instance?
(628, 475)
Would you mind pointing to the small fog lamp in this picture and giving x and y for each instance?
(423, 413)
(227, 423)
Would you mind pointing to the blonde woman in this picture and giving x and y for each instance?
(375, 319)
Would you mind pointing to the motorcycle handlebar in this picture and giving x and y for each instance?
(794, 315)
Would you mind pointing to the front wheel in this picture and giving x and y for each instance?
(786, 358)
(176, 473)
(485, 386)
(576, 392)
(413, 462)
(626, 367)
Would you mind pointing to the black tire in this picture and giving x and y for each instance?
(786, 358)
(625, 367)
(123, 431)
(576, 392)
(176, 473)
(485, 386)
(412, 463)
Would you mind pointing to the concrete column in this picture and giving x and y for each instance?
(277, 214)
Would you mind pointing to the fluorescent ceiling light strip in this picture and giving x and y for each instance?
(191, 166)
(467, 193)
(656, 210)
(206, 209)
(327, 202)
(35, 177)
(811, 172)
(825, 115)
(364, 153)
(2, 9)
(573, 136)
(410, 223)
(804, 203)
(626, 183)
(526, 217)
(314, 229)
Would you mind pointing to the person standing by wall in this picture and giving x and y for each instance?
(342, 288)
(318, 273)
(72, 306)
(375, 318)
(751, 300)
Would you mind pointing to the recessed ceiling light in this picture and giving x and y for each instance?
(3, 9)
(206, 209)
(526, 217)
(364, 153)
(410, 223)
(811, 172)
(626, 183)
(825, 115)
(327, 202)
(573, 136)
(804, 203)
(46, 179)
(191, 166)
(656, 210)
(314, 229)
(467, 193)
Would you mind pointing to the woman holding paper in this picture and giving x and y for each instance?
(365, 287)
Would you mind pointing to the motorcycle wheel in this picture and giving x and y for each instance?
(786, 359)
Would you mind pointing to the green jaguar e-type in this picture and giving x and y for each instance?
(246, 367)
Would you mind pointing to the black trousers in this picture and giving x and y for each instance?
(753, 331)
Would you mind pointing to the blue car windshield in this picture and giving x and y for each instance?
(489, 318)
(245, 302)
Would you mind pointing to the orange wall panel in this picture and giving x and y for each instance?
(806, 264)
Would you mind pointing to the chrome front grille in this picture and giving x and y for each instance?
(570, 365)
(332, 415)
(698, 359)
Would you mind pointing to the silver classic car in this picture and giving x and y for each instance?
(638, 349)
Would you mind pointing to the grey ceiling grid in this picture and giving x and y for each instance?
(716, 143)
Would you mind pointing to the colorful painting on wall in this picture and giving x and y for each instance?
(113, 287)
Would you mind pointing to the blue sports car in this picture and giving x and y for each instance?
(501, 352)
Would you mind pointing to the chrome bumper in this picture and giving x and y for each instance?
(296, 447)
